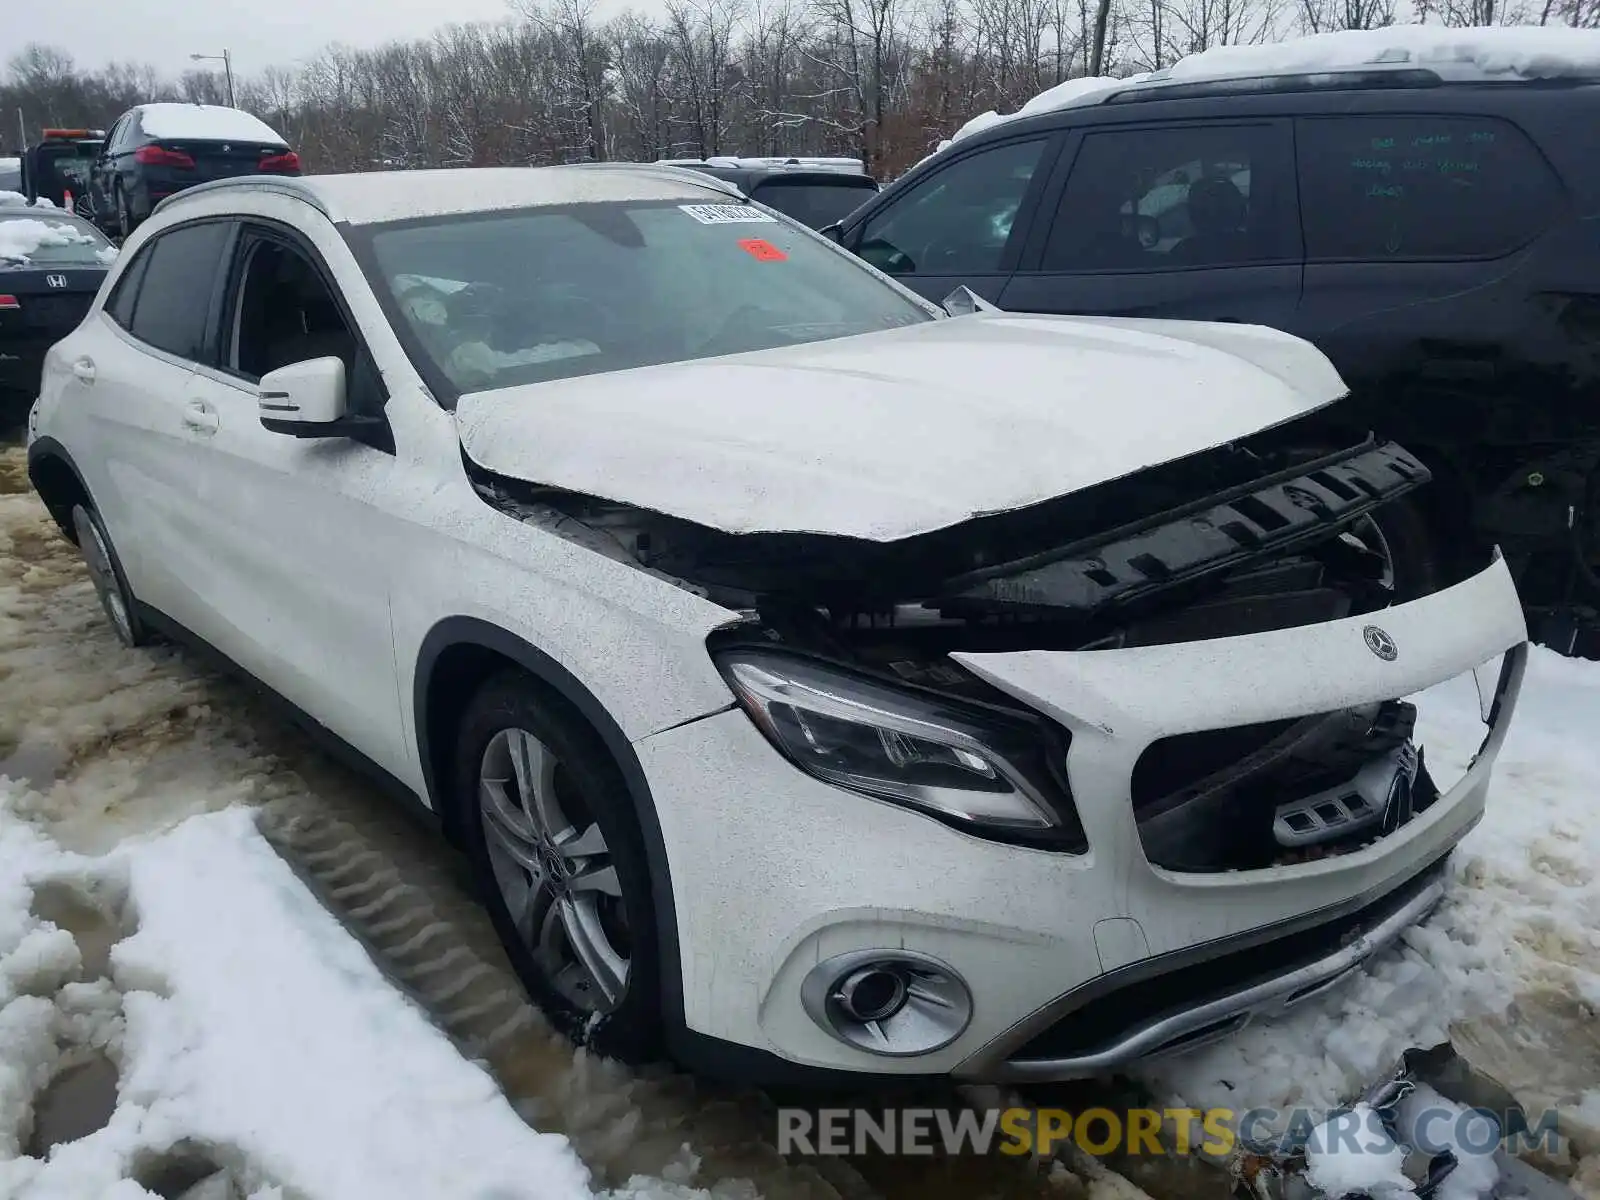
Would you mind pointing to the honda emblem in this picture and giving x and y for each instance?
(56, 281)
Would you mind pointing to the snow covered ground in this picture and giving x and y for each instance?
(151, 936)
(1510, 964)
(243, 1019)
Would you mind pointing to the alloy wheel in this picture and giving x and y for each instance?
(554, 871)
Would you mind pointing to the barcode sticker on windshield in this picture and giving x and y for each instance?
(727, 214)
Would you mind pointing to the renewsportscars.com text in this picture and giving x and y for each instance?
(1102, 1131)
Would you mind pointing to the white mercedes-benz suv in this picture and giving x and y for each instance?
(817, 680)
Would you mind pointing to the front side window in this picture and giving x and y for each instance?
(1183, 196)
(174, 300)
(285, 314)
(1378, 188)
(548, 293)
(957, 221)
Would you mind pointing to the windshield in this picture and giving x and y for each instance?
(550, 293)
(41, 241)
(814, 204)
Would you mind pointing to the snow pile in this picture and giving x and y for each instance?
(12, 198)
(21, 239)
(1435, 1125)
(1064, 95)
(1353, 1152)
(1518, 51)
(206, 122)
(1359, 1151)
(251, 1024)
(1516, 925)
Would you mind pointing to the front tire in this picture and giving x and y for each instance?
(1422, 556)
(559, 861)
(110, 584)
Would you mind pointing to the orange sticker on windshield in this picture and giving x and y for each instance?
(762, 249)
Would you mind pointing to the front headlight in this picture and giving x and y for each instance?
(971, 767)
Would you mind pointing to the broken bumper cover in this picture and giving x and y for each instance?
(1076, 963)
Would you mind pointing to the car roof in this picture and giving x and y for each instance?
(1394, 57)
(372, 197)
(754, 175)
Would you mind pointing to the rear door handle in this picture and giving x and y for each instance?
(84, 369)
(199, 416)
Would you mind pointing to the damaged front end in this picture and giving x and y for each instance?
(1268, 532)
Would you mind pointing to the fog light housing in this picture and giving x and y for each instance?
(894, 1003)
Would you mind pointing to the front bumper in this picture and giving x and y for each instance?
(774, 872)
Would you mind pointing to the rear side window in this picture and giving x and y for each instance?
(1182, 196)
(120, 305)
(1377, 188)
(174, 299)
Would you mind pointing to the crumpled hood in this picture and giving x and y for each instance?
(887, 435)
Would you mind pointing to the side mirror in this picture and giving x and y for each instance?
(305, 399)
(964, 302)
(834, 233)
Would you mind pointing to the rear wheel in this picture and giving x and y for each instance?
(105, 571)
(124, 213)
(558, 856)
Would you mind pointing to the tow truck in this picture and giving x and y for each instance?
(56, 168)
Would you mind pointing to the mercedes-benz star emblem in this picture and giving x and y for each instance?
(56, 281)
(1380, 643)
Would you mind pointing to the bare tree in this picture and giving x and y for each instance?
(883, 80)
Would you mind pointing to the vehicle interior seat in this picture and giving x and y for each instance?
(1217, 211)
(288, 316)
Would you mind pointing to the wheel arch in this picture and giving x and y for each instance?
(59, 483)
(457, 655)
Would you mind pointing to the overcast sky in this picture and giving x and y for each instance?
(258, 33)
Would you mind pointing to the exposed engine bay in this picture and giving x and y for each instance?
(1263, 533)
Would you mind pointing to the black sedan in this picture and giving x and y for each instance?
(51, 266)
(155, 150)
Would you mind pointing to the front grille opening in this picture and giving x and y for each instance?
(1106, 1018)
(1228, 799)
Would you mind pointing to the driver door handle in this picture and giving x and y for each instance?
(200, 416)
(84, 370)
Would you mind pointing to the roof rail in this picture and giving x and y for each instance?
(670, 171)
(1334, 79)
(283, 185)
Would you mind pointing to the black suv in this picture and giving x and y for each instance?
(1435, 233)
(815, 192)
